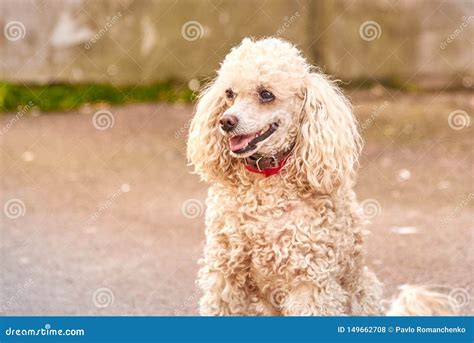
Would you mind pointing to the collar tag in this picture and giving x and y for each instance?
(266, 171)
(268, 165)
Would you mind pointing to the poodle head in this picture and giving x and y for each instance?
(267, 99)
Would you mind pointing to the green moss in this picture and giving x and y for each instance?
(59, 97)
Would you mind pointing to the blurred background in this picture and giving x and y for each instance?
(99, 213)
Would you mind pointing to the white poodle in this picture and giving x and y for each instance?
(279, 144)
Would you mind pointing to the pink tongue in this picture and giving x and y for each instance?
(240, 142)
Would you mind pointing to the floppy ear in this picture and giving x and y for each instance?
(206, 149)
(329, 143)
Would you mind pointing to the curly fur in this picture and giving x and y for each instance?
(289, 244)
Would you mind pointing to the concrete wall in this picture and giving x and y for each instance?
(142, 41)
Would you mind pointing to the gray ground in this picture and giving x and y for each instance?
(103, 230)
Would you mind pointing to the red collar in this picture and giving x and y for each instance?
(267, 171)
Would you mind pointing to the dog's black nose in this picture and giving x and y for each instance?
(228, 122)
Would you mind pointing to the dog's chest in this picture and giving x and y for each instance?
(264, 234)
(276, 237)
(270, 237)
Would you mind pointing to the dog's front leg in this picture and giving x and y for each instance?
(307, 299)
(222, 295)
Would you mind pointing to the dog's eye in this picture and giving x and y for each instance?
(229, 94)
(266, 96)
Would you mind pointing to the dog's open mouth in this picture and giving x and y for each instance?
(240, 144)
